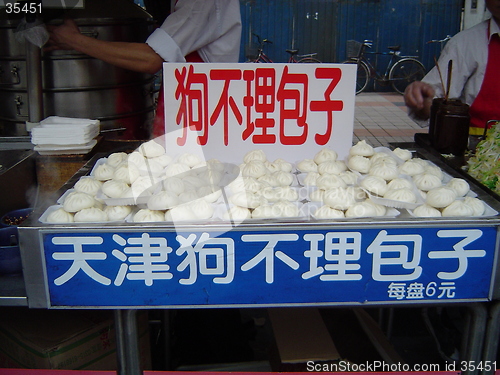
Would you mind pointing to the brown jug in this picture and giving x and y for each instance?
(449, 126)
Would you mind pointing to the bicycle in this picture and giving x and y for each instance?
(441, 42)
(400, 71)
(263, 58)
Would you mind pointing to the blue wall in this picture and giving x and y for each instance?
(324, 26)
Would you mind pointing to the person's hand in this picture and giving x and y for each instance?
(418, 98)
(61, 36)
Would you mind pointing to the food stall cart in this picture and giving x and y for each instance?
(485, 165)
(282, 275)
(389, 261)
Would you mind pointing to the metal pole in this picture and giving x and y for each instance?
(34, 82)
(166, 330)
(492, 337)
(127, 347)
(120, 343)
(132, 342)
(475, 334)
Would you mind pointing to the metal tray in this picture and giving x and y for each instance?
(280, 285)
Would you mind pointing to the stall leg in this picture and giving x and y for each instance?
(474, 335)
(492, 337)
(127, 347)
(167, 340)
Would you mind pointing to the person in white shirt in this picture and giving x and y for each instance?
(196, 31)
(211, 27)
(475, 78)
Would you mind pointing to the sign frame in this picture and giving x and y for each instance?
(44, 297)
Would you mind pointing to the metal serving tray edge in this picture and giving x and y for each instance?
(32, 234)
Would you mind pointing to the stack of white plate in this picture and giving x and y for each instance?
(64, 135)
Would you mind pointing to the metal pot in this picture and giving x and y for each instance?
(76, 85)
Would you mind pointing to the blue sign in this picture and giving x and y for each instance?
(269, 267)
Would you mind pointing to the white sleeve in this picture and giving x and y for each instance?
(211, 27)
(195, 24)
(165, 46)
(458, 50)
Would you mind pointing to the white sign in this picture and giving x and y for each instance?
(288, 110)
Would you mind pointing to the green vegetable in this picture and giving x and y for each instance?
(484, 166)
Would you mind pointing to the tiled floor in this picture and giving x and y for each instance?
(381, 118)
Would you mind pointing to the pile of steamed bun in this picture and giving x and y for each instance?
(148, 185)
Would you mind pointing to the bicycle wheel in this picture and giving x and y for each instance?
(362, 75)
(404, 72)
(309, 60)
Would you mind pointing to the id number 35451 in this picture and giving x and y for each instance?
(479, 366)
(24, 8)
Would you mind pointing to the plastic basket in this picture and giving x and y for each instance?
(251, 51)
(353, 48)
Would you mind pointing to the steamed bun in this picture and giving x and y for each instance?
(403, 154)
(440, 197)
(236, 213)
(126, 172)
(375, 185)
(103, 172)
(426, 181)
(283, 178)
(311, 179)
(401, 195)
(163, 200)
(147, 215)
(326, 212)
(253, 155)
(76, 201)
(387, 171)
(88, 185)
(151, 149)
(284, 208)
(328, 180)
(174, 169)
(189, 159)
(359, 163)
(332, 167)
(264, 211)
(60, 216)
(425, 210)
(202, 209)
(399, 183)
(180, 213)
(307, 165)
(116, 158)
(361, 209)
(174, 185)
(117, 213)
(362, 149)
(246, 199)
(254, 168)
(477, 205)
(340, 198)
(324, 155)
(116, 189)
(411, 168)
(460, 186)
(458, 208)
(92, 214)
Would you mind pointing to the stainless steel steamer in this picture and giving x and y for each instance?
(76, 85)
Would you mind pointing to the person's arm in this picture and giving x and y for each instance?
(133, 56)
(418, 98)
